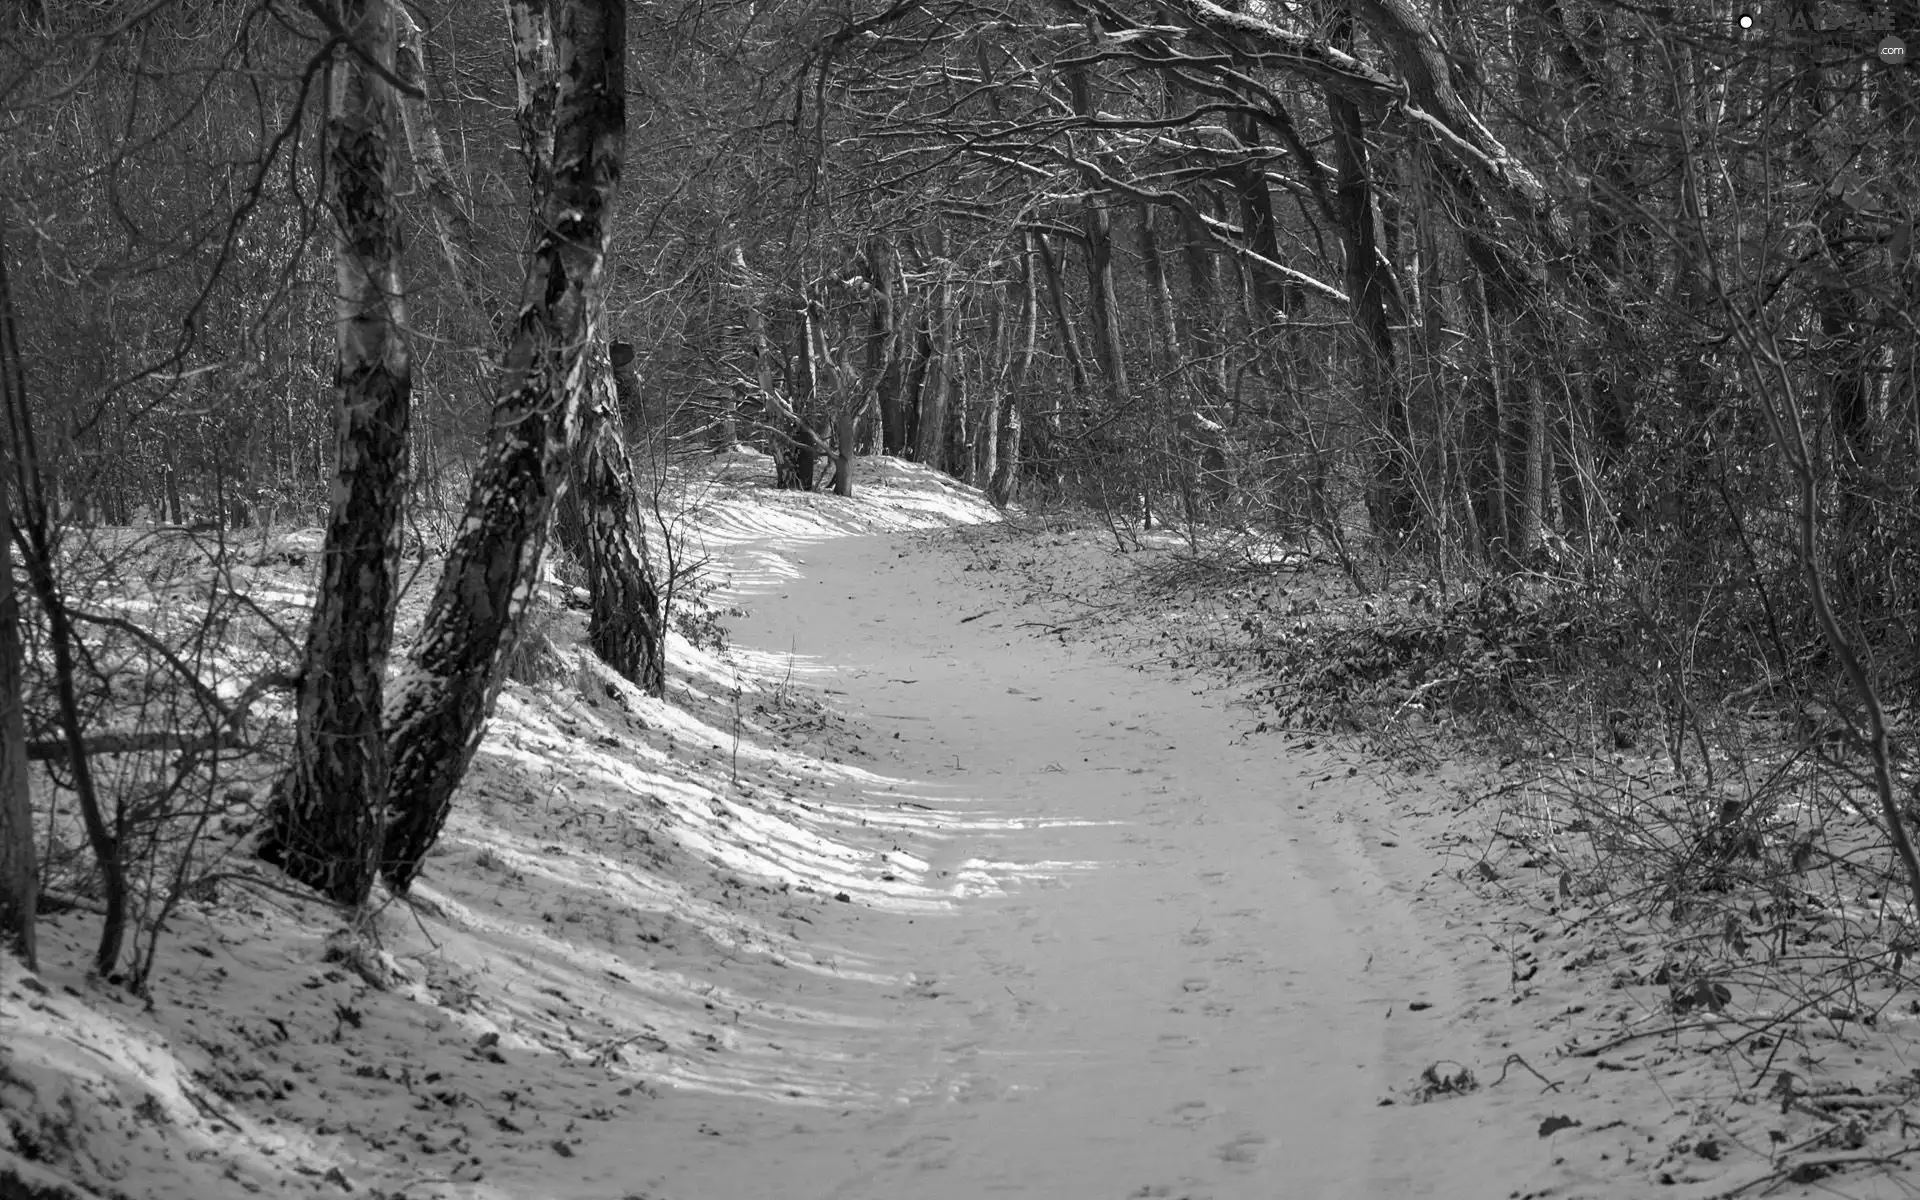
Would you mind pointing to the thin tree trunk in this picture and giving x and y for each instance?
(19, 876)
(1063, 322)
(452, 218)
(32, 529)
(326, 813)
(1097, 226)
(887, 347)
(438, 713)
(1004, 480)
(932, 424)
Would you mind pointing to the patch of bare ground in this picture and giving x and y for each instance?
(1711, 966)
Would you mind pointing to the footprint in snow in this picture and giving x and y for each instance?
(1243, 1149)
(1187, 1113)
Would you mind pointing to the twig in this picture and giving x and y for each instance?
(1623, 1039)
(1827, 1162)
(1512, 1059)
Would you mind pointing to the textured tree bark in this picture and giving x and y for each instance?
(598, 509)
(438, 711)
(19, 875)
(326, 813)
(597, 527)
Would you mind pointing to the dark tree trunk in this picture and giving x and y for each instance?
(19, 877)
(1096, 224)
(921, 366)
(326, 813)
(931, 425)
(1063, 322)
(1271, 296)
(1390, 500)
(886, 348)
(439, 712)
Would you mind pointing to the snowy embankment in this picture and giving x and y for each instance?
(622, 899)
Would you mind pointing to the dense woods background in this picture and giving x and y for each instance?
(1596, 318)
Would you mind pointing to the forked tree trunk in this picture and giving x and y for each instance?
(326, 812)
(597, 527)
(19, 876)
(439, 710)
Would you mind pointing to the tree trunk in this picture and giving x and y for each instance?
(1390, 501)
(932, 423)
(1004, 480)
(597, 526)
(1063, 322)
(438, 713)
(19, 878)
(326, 813)
(1270, 295)
(885, 346)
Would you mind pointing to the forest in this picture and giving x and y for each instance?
(1576, 339)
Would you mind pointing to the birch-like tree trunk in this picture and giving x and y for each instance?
(597, 522)
(439, 709)
(598, 527)
(326, 813)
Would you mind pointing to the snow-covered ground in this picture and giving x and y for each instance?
(898, 895)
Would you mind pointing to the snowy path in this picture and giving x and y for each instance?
(1199, 990)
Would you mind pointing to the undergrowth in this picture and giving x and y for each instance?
(1702, 813)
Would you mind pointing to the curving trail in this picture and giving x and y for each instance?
(1196, 984)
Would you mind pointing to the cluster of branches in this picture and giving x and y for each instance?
(1625, 299)
(373, 763)
(1622, 297)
